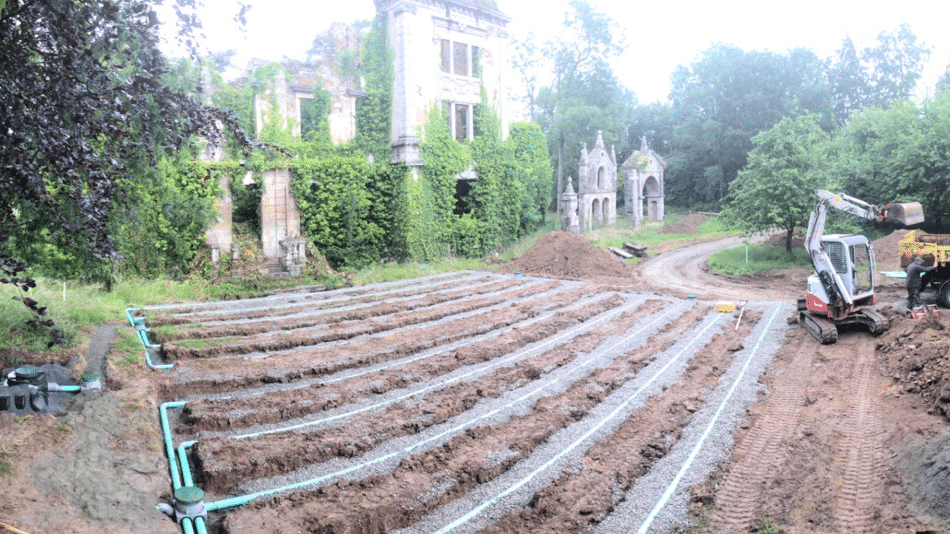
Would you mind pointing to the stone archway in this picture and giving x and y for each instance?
(653, 197)
(596, 214)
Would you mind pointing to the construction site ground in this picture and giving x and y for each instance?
(569, 393)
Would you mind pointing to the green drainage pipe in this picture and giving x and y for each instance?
(183, 460)
(143, 337)
(169, 447)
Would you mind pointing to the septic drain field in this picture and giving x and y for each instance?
(457, 402)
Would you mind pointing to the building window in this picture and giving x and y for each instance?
(309, 116)
(460, 58)
(446, 55)
(476, 62)
(461, 120)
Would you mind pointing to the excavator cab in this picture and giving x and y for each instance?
(853, 260)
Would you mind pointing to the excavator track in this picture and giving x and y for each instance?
(824, 330)
(876, 323)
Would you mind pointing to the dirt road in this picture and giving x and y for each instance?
(684, 272)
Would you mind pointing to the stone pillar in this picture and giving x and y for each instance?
(569, 210)
(280, 218)
(293, 255)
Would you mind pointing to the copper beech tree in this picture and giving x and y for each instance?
(84, 112)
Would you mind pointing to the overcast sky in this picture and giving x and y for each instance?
(659, 35)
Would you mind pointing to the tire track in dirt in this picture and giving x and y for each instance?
(762, 450)
(857, 507)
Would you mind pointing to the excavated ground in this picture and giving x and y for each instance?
(573, 394)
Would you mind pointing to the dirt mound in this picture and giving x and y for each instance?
(778, 240)
(885, 251)
(914, 353)
(687, 226)
(565, 255)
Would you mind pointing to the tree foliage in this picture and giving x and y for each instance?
(898, 154)
(877, 76)
(722, 101)
(776, 188)
(83, 103)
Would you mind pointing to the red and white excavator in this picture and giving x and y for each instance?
(841, 292)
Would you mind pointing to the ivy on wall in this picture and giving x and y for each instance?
(374, 113)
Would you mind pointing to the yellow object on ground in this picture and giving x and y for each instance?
(726, 307)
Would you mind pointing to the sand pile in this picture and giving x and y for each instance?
(565, 255)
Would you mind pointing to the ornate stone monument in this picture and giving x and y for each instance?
(643, 183)
(597, 186)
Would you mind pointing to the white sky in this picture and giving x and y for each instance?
(660, 36)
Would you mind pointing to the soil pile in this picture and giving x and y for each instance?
(914, 352)
(778, 240)
(885, 251)
(687, 226)
(565, 255)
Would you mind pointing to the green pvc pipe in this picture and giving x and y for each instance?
(187, 527)
(186, 479)
(128, 313)
(200, 525)
(169, 447)
(68, 389)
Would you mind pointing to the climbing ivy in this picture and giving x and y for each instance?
(335, 209)
(374, 112)
(444, 159)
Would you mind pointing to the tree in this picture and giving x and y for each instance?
(877, 76)
(725, 99)
(895, 65)
(83, 103)
(943, 84)
(849, 85)
(776, 188)
(898, 154)
(584, 95)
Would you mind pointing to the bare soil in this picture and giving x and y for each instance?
(379, 409)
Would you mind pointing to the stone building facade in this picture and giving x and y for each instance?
(444, 52)
(643, 183)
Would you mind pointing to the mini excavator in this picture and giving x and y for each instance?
(841, 292)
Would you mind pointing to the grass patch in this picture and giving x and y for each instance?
(6, 466)
(761, 258)
(651, 234)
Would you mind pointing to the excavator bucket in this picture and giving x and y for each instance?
(908, 213)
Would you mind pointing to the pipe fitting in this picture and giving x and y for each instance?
(90, 382)
(188, 503)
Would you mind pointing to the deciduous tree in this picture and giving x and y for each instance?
(83, 103)
(776, 188)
